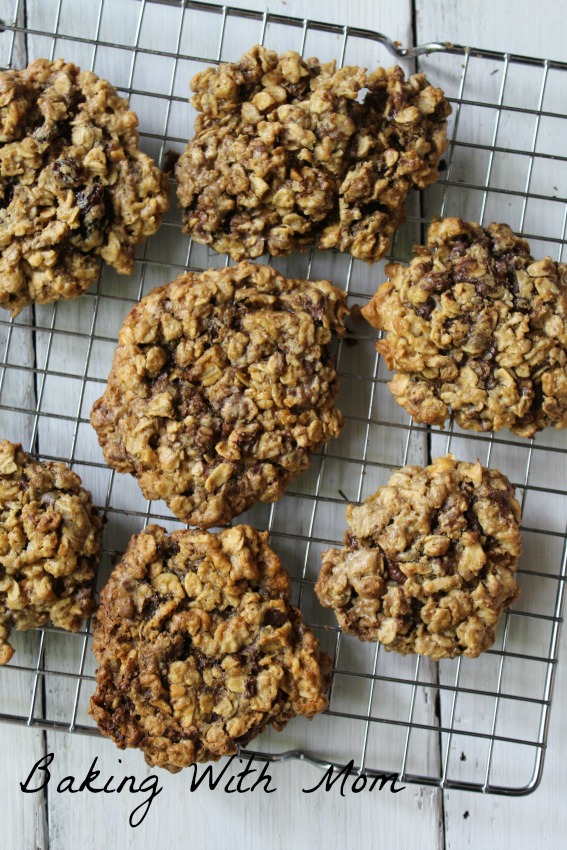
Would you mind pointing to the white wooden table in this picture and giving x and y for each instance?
(418, 817)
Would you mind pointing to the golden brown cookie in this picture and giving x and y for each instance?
(429, 561)
(222, 386)
(199, 648)
(478, 328)
(50, 536)
(73, 184)
(285, 154)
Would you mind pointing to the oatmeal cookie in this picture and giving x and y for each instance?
(199, 648)
(49, 545)
(73, 184)
(429, 561)
(477, 327)
(221, 387)
(285, 154)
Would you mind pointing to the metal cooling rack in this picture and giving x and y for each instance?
(390, 714)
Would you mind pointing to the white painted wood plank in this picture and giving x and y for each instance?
(468, 26)
(494, 25)
(177, 816)
(290, 814)
(472, 820)
(23, 816)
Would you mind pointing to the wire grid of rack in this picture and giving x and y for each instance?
(388, 713)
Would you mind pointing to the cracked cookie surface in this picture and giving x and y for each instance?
(50, 535)
(429, 561)
(73, 184)
(477, 327)
(285, 154)
(222, 385)
(199, 648)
